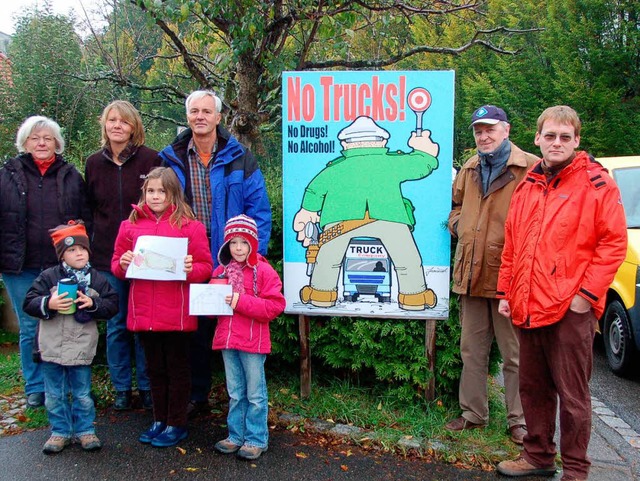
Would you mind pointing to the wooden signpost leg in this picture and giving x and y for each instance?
(304, 323)
(430, 348)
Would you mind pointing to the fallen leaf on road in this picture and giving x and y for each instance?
(302, 455)
(181, 450)
(344, 467)
(191, 470)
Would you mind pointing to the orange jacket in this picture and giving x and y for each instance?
(564, 238)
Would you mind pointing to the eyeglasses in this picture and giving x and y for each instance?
(35, 139)
(564, 138)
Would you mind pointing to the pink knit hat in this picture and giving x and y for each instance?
(240, 226)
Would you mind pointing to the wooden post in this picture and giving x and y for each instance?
(430, 349)
(304, 323)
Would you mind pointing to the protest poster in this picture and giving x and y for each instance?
(367, 172)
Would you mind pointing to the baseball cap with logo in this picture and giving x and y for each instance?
(488, 114)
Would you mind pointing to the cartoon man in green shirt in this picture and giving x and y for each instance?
(359, 195)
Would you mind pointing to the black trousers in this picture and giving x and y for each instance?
(168, 367)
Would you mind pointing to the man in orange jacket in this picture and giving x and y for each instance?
(565, 238)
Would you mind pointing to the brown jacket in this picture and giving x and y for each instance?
(478, 222)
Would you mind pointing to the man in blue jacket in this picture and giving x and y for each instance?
(221, 179)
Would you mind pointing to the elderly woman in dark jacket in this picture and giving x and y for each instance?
(38, 191)
(114, 178)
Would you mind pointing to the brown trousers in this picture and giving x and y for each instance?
(556, 362)
(481, 323)
(167, 356)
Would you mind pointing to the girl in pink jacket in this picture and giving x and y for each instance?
(244, 337)
(159, 309)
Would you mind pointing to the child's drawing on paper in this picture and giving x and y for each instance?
(158, 258)
(148, 259)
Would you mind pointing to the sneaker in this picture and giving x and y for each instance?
(196, 408)
(461, 424)
(518, 433)
(123, 401)
(35, 399)
(226, 446)
(250, 452)
(55, 444)
(153, 432)
(171, 436)
(522, 467)
(90, 442)
(145, 399)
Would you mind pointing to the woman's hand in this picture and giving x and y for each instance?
(126, 259)
(188, 263)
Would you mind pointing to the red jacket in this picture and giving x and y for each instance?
(162, 305)
(564, 238)
(248, 328)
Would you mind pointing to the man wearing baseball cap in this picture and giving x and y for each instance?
(481, 194)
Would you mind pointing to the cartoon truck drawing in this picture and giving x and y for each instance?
(366, 270)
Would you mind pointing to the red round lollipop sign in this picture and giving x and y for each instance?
(419, 99)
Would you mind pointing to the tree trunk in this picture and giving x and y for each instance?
(245, 121)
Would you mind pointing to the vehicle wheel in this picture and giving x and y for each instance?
(351, 297)
(618, 343)
(381, 298)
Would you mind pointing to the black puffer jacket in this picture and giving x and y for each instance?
(31, 204)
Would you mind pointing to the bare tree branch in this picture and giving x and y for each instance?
(393, 59)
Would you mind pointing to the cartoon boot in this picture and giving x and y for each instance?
(317, 297)
(426, 299)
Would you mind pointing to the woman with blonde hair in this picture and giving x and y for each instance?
(114, 177)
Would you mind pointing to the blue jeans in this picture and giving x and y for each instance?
(119, 343)
(68, 417)
(17, 286)
(248, 398)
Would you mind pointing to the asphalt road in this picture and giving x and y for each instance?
(619, 394)
(291, 456)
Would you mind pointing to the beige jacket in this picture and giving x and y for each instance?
(478, 222)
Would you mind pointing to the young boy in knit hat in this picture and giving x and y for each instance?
(68, 336)
(244, 337)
